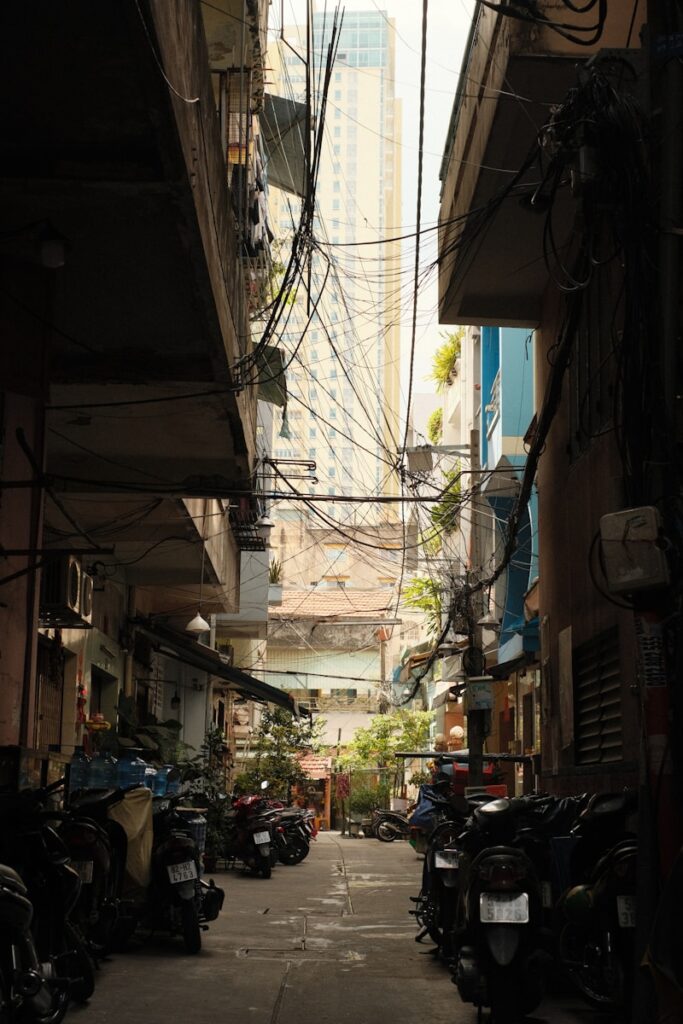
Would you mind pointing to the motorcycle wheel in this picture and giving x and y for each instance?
(386, 832)
(295, 851)
(5, 999)
(80, 965)
(581, 953)
(504, 997)
(265, 870)
(192, 935)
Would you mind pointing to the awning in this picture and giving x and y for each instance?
(283, 130)
(272, 382)
(174, 645)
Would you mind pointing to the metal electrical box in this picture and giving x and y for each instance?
(633, 554)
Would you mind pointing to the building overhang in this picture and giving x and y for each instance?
(497, 276)
(173, 644)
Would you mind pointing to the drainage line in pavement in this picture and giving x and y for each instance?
(345, 876)
(275, 1015)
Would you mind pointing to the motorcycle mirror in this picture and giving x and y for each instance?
(265, 784)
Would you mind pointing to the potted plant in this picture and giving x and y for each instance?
(275, 581)
(362, 802)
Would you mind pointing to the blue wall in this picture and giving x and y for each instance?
(509, 351)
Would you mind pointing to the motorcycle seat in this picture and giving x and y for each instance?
(12, 880)
(99, 799)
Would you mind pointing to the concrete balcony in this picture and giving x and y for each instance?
(493, 271)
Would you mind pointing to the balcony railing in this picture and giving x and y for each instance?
(246, 178)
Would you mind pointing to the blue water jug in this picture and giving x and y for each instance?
(111, 773)
(160, 781)
(124, 770)
(150, 777)
(79, 770)
(139, 767)
(172, 780)
(98, 772)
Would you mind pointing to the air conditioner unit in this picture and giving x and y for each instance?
(63, 595)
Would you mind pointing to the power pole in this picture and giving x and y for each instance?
(476, 718)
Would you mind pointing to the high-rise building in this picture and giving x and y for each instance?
(344, 406)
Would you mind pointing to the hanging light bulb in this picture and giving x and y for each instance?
(197, 625)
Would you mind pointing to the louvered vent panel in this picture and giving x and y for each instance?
(597, 700)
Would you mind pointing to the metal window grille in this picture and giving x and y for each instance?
(597, 700)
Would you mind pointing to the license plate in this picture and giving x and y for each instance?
(446, 859)
(84, 868)
(547, 894)
(504, 908)
(182, 872)
(261, 837)
(626, 911)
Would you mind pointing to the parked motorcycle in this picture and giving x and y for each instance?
(43, 960)
(249, 838)
(176, 900)
(299, 830)
(390, 825)
(155, 866)
(90, 851)
(500, 947)
(597, 937)
(437, 813)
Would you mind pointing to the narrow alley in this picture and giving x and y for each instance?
(329, 939)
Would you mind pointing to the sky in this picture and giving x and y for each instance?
(448, 23)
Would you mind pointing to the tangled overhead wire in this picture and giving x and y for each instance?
(575, 32)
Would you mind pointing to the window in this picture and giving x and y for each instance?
(597, 699)
(314, 356)
(333, 414)
(337, 94)
(331, 471)
(335, 204)
(331, 490)
(337, 131)
(337, 76)
(336, 150)
(312, 432)
(311, 453)
(336, 187)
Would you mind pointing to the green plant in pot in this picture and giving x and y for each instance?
(205, 775)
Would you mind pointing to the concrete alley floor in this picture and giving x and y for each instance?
(329, 940)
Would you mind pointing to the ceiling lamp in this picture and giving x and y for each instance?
(198, 625)
(489, 621)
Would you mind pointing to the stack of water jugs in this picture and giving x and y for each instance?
(103, 771)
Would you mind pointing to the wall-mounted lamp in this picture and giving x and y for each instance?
(264, 527)
(175, 701)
